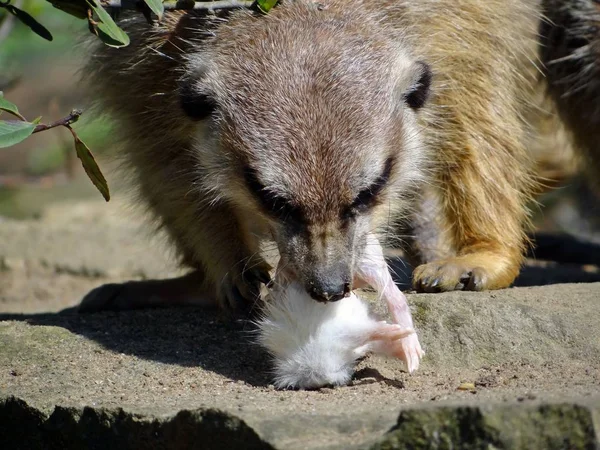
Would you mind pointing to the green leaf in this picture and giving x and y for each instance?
(14, 131)
(107, 38)
(7, 106)
(28, 20)
(91, 167)
(156, 6)
(108, 30)
(266, 5)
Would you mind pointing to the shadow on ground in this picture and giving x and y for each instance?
(190, 337)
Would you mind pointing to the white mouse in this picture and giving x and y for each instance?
(317, 344)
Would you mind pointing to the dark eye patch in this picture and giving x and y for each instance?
(277, 206)
(419, 92)
(368, 197)
(195, 105)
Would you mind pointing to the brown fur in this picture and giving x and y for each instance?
(319, 139)
(551, 144)
(483, 54)
(570, 50)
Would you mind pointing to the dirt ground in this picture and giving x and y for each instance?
(522, 345)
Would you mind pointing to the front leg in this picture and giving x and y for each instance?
(479, 264)
(484, 183)
(477, 135)
(230, 256)
(482, 211)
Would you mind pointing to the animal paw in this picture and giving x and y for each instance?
(409, 350)
(402, 343)
(108, 297)
(453, 274)
(240, 290)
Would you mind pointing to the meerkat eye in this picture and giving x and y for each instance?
(419, 92)
(277, 206)
(196, 105)
(368, 197)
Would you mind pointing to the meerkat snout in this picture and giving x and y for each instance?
(330, 285)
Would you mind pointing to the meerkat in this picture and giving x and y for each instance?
(317, 124)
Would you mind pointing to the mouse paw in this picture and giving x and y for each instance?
(409, 350)
(389, 332)
(399, 342)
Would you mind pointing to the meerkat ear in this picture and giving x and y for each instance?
(196, 104)
(417, 94)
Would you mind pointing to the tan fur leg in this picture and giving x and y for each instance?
(478, 135)
(229, 256)
(232, 283)
(484, 212)
(485, 218)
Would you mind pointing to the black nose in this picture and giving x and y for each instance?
(329, 292)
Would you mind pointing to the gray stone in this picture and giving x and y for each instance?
(189, 378)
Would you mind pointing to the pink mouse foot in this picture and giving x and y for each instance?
(399, 342)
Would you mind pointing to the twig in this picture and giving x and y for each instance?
(64, 122)
(182, 4)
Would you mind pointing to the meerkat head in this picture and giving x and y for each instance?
(308, 121)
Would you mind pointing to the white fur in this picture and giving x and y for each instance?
(317, 344)
(314, 344)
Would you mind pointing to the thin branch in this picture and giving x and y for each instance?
(182, 4)
(64, 122)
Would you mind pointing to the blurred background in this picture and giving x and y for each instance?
(59, 239)
(41, 78)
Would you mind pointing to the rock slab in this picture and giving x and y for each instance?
(516, 368)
